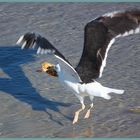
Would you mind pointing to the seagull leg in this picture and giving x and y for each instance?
(91, 106)
(76, 116)
(88, 112)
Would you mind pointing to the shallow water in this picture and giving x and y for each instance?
(34, 105)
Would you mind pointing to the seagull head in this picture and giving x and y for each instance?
(48, 68)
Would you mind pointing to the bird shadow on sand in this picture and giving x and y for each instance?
(17, 85)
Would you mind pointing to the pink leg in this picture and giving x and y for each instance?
(77, 113)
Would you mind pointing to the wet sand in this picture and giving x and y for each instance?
(35, 105)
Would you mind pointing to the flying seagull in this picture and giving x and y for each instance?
(99, 35)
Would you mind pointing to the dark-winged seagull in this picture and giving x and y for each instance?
(99, 36)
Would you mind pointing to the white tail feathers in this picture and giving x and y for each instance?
(117, 91)
(96, 89)
(111, 90)
(107, 97)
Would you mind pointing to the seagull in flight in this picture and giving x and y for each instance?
(99, 35)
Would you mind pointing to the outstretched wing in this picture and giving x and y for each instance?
(100, 34)
(43, 46)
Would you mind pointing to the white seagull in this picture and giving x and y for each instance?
(99, 36)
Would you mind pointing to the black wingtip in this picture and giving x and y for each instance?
(27, 40)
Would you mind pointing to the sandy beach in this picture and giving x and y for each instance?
(35, 105)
